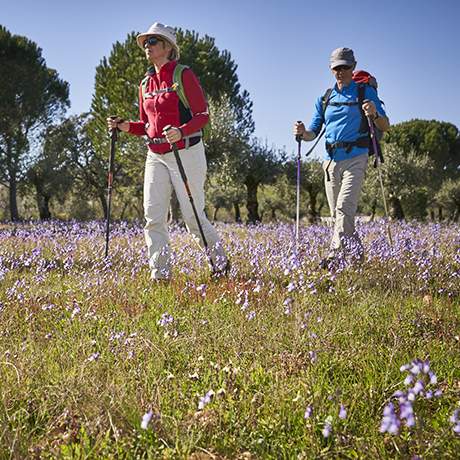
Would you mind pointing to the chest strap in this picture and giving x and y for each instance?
(170, 89)
(347, 103)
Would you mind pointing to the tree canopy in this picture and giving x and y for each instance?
(31, 97)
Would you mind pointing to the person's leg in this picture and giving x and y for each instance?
(157, 194)
(194, 163)
(353, 174)
(332, 187)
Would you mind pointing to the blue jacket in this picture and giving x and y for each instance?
(343, 122)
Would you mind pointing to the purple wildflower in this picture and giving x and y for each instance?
(206, 399)
(455, 420)
(146, 419)
(390, 421)
(327, 429)
(94, 357)
(165, 319)
(251, 315)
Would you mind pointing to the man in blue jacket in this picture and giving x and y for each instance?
(347, 148)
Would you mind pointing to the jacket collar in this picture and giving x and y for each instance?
(169, 66)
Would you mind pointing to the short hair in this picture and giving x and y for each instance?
(172, 56)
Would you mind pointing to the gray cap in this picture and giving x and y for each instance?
(342, 56)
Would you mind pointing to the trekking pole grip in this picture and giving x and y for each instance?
(114, 131)
(298, 137)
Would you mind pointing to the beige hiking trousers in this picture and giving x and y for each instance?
(342, 193)
(161, 174)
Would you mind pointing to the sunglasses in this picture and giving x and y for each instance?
(342, 67)
(151, 41)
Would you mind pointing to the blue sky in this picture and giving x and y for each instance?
(281, 48)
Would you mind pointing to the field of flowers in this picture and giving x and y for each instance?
(279, 360)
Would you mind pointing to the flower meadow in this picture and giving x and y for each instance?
(280, 359)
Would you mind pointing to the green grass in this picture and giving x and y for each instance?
(58, 403)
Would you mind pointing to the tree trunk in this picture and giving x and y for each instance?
(396, 210)
(236, 207)
(125, 207)
(216, 210)
(274, 213)
(373, 209)
(456, 213)
(320, 208)
(174, 209)
(440, 213)
(43, 203)
(103, 200)
(14, 213)
(312, 214)
(251, 202)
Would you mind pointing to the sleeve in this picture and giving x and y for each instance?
(317, 121)
(371, 94)
(197, 102)
(138, 127)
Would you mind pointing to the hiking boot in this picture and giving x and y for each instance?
(160, 281)
(332, 260)
(222, 272)
(326, 263)
(360, 259)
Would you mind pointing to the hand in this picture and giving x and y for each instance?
(299, 129)
(369, 109)
(172, 134)
(117, 122)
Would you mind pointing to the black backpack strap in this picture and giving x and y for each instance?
(364, 127)
(325, 100)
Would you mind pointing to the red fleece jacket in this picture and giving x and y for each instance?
(163, 109)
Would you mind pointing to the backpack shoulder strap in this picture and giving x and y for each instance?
(179, 87)
(325, 99)
(361, 93)
(145, 81)
(364, 127)
(144, 85)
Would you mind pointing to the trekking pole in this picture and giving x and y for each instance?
(190, 197)
(298, 138)
(113, 140)
(379, 160)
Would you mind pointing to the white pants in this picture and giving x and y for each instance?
(342, 193)
(161, 174)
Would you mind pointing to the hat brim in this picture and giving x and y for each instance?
(140, 39)
(335, 64)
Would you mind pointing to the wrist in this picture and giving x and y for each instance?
(308, 135)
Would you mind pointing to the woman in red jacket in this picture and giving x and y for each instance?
(159, 107)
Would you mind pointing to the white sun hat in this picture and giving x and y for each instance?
(160, 30)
